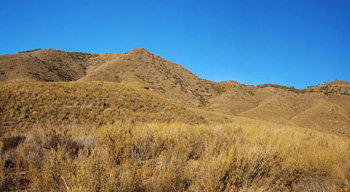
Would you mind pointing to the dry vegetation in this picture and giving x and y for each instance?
(171, 131)
(315, 110)
(86, 103)
(77, 140)
(174, 157)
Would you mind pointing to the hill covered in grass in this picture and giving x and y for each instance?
(137, 122)
(323, 107)
(44, 65)
(311, 109)
(137, 67)
(22, 105)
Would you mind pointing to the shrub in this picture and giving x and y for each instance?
(27, 51)
(11, 142)
(218, 89)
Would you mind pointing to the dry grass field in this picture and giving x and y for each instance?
(23, 105)
(175, 157)
(137, 122)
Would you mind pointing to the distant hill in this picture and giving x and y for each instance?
(137, 67)
(337, 87)
(316, 109)
(43, 65)
(324, 107)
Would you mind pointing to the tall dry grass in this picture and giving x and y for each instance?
(176, 157)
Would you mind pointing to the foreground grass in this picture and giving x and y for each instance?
(174, 157)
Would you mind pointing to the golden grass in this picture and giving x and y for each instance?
(100, 136)
(23, 105)
(177, 157)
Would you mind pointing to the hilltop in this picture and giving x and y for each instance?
(137, 67)
(43, 65)
(324, 107)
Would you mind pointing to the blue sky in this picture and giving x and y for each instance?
(288, 42)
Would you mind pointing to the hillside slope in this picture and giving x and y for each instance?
(141, 68)
(324, 107)
(23, 105)
(44, 65)
(327, 112)
(137, 67)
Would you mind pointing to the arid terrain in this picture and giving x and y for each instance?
(137, 122)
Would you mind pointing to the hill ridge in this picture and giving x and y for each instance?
(143, 69)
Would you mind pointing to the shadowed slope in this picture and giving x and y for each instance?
(44, 65)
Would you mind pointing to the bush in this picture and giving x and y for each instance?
(27, 51)
(11, 142)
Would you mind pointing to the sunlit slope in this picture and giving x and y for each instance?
(94, 103)
(141, 68)
(316, 110)
(137, 67)
(324, 116)
(323, 107)
(337, 87)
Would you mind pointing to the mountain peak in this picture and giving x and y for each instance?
(138, 50)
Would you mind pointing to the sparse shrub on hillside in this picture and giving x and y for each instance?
(218, 89)
(292, 88)
(117, 79)
(251, 93)
(324, 88)
(80, 55)
(29, 50)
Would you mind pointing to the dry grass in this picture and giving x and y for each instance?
(100, 136)
(310, 110)
(23, 105)
(177, 157)
(137, 67)
(325, 107)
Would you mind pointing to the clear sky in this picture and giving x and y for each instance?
(287, 42)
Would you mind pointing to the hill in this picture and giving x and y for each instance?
(137, 122)
(27, 104)
(311, 109)
(43, 65)
(141, 68)
(323, 107)
(137, 67)
(337, 87)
